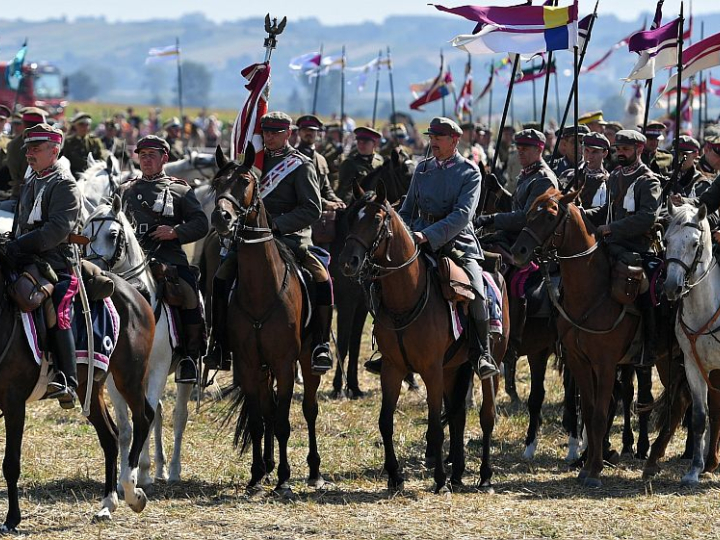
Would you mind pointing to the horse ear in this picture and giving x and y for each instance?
(358, 192)
(116, 204)
(570, 197)
(249, 156)
(702, 213)
(90, 160)
(220, 157)
(381, 191)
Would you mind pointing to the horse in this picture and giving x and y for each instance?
(100, 181)
(19, 374)
(693, 280)
(114, 248)
(194, 168)
(409, 304)
(266, 328)
(596, 331)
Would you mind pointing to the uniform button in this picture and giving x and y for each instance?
(139, 197)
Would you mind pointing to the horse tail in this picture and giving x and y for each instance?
(238, 407)
(666, 402)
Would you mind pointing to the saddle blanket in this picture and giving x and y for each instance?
(458, 319)
(106, 329)
(173, 325)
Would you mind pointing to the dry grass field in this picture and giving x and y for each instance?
(61, 483)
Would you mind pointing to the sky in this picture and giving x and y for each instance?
(330, 12)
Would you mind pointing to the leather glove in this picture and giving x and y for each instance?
(483, 220)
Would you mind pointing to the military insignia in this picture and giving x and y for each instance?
(139, 197)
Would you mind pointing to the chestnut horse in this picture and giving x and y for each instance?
(596, 331)
(19, 374)
(413, 332)
(265, 327)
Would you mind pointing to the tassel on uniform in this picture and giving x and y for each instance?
(36, 212)
(164, 203)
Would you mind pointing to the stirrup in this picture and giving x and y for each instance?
(186, 372)
(321, 361)
(374, 365)
(485, 368)
(218, 361)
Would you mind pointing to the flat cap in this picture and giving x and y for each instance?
(81, 118)
(399, 131)
(590, 117)
(309, 121)
(655, 130)
(687, 144)
(276, 121)
(713, 141)
(468, 125)
(569, 131)
(153, 142)
(440, 125)
(629, 137)
(596, 140)
(367, 133)
(172, 122)
(41, 133)
(614, 126)
(5, 112)
(333, 126)
(482, 128)
(33, 115)
(530, 137)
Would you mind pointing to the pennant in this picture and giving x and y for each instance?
(162, 54)
(246, 129)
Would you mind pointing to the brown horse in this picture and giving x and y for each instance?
(265, 327)
(413, 333)
(128, 365)
(595, 330)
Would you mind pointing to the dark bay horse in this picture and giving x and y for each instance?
(413, 332)
(265, 327)
(128, 365)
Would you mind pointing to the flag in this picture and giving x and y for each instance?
(305, 63)
(162, 54)
(584, 30)
(657, 47)
(246, 129)
(536, 72)
(464, 104)
(714, 81)
(14, 68)
(487, 88)
(364, 70)
(327, 64)
(524, 29)
(440, 87)
(702, 55)
(597, 63)
(635, 110)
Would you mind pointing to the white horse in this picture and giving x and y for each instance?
(114, 247)
(693, 279)
(195, 168)
(100, 181)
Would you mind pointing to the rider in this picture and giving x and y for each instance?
(711, 196)
(81, 143)
(173, 132)
(167, 215)
(593, 176)
(658, 160)
(292, 198)
(626, 221)
(15, 159)
(692, 182)
(566, 148)
(48, 211)
(443, 196)
(359, 163)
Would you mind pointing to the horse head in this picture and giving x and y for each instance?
(544, 226)
(100, 181)
(109, 232)
(689, 249)
(236, 194)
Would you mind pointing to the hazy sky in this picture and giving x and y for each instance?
(327, 11)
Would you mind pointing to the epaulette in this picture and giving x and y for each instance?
(178, 181)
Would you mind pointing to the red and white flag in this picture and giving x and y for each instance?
(246, 129)
(464, 104)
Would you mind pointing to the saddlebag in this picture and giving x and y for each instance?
(454, 282)
(626, 282)
(31, 289)
(167, 279)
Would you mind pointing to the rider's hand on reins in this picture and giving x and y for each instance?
(164, 233)
(419, 237)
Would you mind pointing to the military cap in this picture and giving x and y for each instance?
(81, 117)
(655, 130)
(334, 126)
(5, 112)
(687, 144)
(532, 125)
(309, 121)
(399, 131)
(153, 142)
(629, 137)
(41, 133)
(596, 140)
(569, 131)
(468, 125)
(590, 117)
(276, 121)
(17, 118)
(713, 142)
(33, 115)
(482, 128)
(367, 133)
(173, 122)
(615, 126)
(441, 125)
(530, 137)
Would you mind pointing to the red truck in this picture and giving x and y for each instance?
(42, 86)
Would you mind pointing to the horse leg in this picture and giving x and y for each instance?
(256, 427)
(711, 461)
(356, 335)
(14, 410)
(604, 383)
(124, 426)
(180, 418)
(456, 388)
(628, 395)
(587, 397)
(698, 391)
(538, 367)
(285, 383)
(678, 400)
(509, 371)
(160, 459)
(435, 434)
(390, 382)
(344, 312)
(487, 423)
(310, 412)
(645, 400)
(570, 417)
(142, 417)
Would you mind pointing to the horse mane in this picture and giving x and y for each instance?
(681, 214)
(221, 179)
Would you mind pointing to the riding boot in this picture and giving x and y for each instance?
(648, 357)
(65, 381)
(186, 372)
(479, 346)
(219, 357)
(321, 361)
(518, 314)
(374, 365)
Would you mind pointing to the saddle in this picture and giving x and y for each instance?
(454, 282)
(168, 282)
(324, 229)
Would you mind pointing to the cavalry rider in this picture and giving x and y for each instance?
(359, 163)
(81, 143)
(15, 160)
(711, 196)
(659, 161)
(443, 197)
(167, 215)
(173, 132)
(47, 212)
(292, 198)
(566, 148)
(692, 181)
(594, 121)
(593, 176)
(627, 219)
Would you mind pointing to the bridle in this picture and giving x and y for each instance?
(690, 269)
(243, 216)
(369, 270)
(120, 243)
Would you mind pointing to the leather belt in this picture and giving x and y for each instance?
(431, 218)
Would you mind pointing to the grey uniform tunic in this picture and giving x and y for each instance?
(60, 215)
(594, 185)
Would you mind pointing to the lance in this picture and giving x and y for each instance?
(547, 85)
(702, 96)
(490, 95)
(576, 178)
(180, 92)
(442, 62)
(534, 92)
(342, 91)
(557, 96)
(317, 81)
(377, 87)
(508, 99)
(678, 94)
(392, 86)
(572, 91)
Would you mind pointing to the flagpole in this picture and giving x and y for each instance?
(20, 81)
(392, 86)
(490, 95)
(317, 81)
(703, 90)
(543, 110)
(504, 114)
(472, 100)
(678, 93)
(180, 93)
(342, 91)
(576, 112)
(648, 90)
(557, 97)
(534, 92)
(572, 90)
(377, 88)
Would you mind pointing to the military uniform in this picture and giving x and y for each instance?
(77, 148)
(177, 152)
(660, 162)
(593, 184)
(172, 131)
(355, 168)
(323, 172)
(15, 159)
(693, 183)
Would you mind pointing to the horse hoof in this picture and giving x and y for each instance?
(486, 487)
(689, 481)
(355, 393)
(141, 502)
(627, 452)
(317, 483)
(6, 529)
(592, 483)
(612, 458)
(442, 490)
(529, 453)
(582, 475)
(284, 492)
(102, 516)
(650, 471)
(254, 491)
(641, 455)
(336, 394)
(396, 486)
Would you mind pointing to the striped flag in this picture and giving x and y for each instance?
(162, 54)
(464, 104)
(657, 47)
(246, 129)
(702, 55)
(440, 87)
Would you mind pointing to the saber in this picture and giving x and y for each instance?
(76, 269)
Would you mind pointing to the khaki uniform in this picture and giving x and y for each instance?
(594, 185)
(76, 149)
(17, 164)
(177, 152)
(355, 168)
(323, 173)
(660, 162)
(333, 154)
